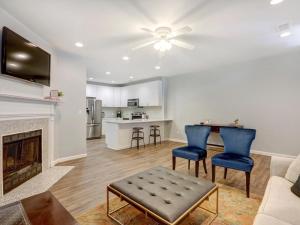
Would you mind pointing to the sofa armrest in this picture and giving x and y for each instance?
(280, 165)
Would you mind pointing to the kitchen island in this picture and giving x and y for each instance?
(118, 131)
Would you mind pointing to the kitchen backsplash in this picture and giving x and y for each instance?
(153, 112)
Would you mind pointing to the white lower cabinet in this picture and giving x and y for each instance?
(149, 94)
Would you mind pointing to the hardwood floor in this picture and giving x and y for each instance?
(85, 186)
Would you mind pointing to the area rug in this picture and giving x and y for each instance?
(234, 209)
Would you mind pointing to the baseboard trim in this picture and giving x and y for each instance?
(272, 154)
(177, 140)
(252, 151)
(68, 158)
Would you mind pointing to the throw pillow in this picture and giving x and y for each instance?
(294, 170)
(296, 187)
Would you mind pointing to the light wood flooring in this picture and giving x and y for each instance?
(85, 186)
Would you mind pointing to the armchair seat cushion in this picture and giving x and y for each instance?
(191, 153)
(233, 161)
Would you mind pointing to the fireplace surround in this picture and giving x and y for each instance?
(22, 158)
(34, 158)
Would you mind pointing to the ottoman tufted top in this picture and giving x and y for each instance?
(165, 192)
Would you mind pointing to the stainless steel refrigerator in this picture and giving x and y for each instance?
(94, 118)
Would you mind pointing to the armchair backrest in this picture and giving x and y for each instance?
(197, 135)
(237, 140)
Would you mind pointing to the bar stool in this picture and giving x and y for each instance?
(154, 132)
(137, 135)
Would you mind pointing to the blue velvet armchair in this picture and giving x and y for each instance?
(197, 136)
(237, 145)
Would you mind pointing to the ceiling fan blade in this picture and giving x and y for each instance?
(181, 31)
(182, 44)
(147, 30)
(144, 45)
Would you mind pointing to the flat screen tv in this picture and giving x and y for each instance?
(22, 59)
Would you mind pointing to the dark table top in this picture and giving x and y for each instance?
(41, 209)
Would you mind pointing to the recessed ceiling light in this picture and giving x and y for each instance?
(107, 73)
(131, 77)
(112, 81)
(157, 67)
(126, 58)
(91, 78)
(276, 2)
(16, 65)
(285, 34)
(79, 44)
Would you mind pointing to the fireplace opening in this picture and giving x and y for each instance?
(22, 158)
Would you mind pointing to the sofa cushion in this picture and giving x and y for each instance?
(293, 170)
(279, 202)
(262, 219)
(296, 187)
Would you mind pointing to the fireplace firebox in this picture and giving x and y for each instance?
(22, 158)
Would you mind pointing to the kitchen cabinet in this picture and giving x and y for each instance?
(117, 97)
(149, 94)
(91, 90)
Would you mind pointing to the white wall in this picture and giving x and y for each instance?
(264, 94)
(70, 119)
(10, 85)
(68, 74)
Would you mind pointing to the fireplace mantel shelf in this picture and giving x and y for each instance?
(28, 99)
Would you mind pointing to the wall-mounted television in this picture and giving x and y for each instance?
(22, 59)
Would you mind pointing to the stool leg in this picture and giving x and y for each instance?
(138, 140)
(154, 136)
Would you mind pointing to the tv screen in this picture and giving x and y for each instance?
(24, 60)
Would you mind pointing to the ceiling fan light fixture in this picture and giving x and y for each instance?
(162, 45)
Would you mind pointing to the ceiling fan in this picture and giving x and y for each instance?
(164, 38)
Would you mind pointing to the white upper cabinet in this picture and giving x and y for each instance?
(149, 94)
(91, 90)
(117, 97)
(106, 94)
(124, 96)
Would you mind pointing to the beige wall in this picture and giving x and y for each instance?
(264, 94)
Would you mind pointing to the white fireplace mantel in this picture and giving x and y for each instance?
(28, 99)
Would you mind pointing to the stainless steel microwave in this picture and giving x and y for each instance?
(133, 102)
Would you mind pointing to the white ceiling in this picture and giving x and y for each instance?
(224, 32)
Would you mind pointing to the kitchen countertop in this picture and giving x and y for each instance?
(121, 121)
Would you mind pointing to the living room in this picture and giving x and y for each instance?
(150, 112)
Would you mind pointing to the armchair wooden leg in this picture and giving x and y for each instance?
(213, 172)
(225, 173)
(189, 164)
(197, 168)
(204, 165)
(174, 162)
(248, 184)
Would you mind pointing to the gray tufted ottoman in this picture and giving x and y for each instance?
(165, 195)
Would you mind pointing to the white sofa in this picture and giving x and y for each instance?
(279, 205)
